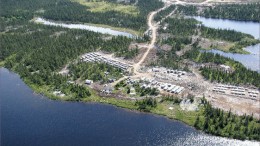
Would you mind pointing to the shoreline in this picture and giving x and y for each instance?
(124, 104)
(124, 30)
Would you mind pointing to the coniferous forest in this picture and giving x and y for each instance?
(240, 12)
(38, 52)
(218, 122)
(244, 12)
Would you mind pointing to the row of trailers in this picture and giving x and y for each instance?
(96, 57)
(159, 85)
(172, 88)
(234, 90)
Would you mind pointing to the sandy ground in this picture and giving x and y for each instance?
(238, 105)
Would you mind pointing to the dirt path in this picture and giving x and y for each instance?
(225, 102)
(153, 27)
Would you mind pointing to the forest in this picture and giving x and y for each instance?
(180, 26)
(216, 121)
(94, 71)
(188, 10)
(37, 55)
(240, 75)
(240, 12)
(187, 27)
(223, 34)
(18, 12)
(146, 104)
(244, 12)
(241, 40)
(79, 13)
(159, 16)
(37, 52)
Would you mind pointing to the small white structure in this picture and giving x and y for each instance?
(156, 70)
(164, 28)
(225, 67)
(88, 82)
(132, 91)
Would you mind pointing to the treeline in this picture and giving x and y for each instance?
(50, 82)
(220, 123)
(75, 12)
(223, 34)
(22, 11)
(241, 12)
(241, 39)
(37, 51)
(146, 104)
(43, 50)
(76, 92)
(94, 71)
(56, 46)
(241, 75)
(72, 11)
(206, 57)
(187, 27)
(159, 16)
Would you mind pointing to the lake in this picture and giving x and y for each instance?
(84, 27)
(252, 60)
(28, 119)
(248, 27)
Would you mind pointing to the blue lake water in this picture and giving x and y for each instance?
(252, 60)
(28, 119)
(84, 27)
(251, 28)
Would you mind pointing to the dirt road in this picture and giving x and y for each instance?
(153, 27)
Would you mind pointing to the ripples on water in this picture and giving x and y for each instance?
(206, 140)
(28, 119)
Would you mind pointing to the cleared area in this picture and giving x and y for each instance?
(105, 58)
(104, 6)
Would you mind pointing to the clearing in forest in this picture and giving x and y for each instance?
(103, 6)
